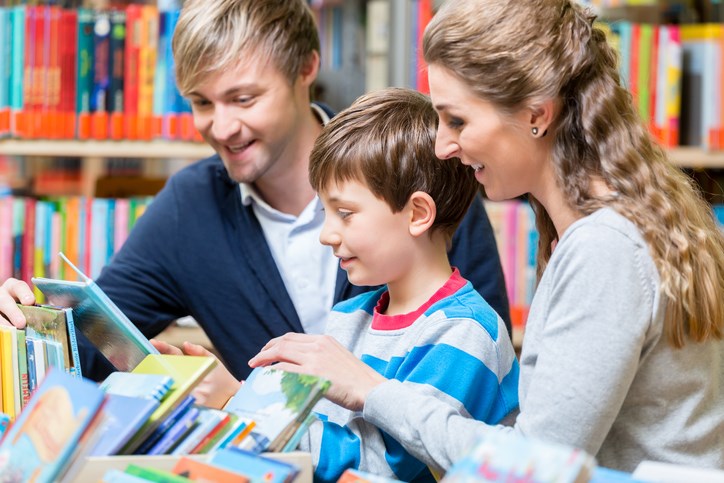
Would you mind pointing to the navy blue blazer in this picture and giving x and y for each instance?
(198, 251)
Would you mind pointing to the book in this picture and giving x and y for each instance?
(131, 384)
(98, 318)
(55, 323)
(278, 402)
(499, 456)
(186, 372)
(254, 466)
(41, 442)
(178, 412)
(115, 475)
(201, 471)
(9, 371)
(356, 476)
(207, 423)
(4, 424)
(154, 474)
(125, 416)
(176, 432)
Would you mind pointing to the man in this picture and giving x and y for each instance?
(233, 240)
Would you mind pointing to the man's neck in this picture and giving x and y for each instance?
(288, 189)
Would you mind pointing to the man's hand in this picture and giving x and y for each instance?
(322, 355)
(13, 291)
(217, 387)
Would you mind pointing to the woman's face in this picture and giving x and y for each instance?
(507, 159)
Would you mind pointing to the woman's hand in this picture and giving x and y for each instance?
(217, 387)
(322, 355)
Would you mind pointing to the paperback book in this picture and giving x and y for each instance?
(39, 445)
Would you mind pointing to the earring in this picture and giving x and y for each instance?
(534, 130)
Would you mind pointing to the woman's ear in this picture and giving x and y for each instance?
(422, 213)
(541, 117)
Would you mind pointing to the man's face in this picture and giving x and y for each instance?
(251, 116)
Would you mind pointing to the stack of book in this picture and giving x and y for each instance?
(149, 411)
(48, 340)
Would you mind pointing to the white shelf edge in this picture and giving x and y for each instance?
(685, 157)
(106, 149)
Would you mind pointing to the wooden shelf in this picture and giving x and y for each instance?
(690, 157)
(106, 149)
(686, 157)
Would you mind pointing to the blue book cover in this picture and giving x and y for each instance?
(166, 424)
(124, 417)
(131, 384)
(175, 434)
(32, 375)
(99, 319)
(41, 442)
(253, 466)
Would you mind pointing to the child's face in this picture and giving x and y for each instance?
(372, 243)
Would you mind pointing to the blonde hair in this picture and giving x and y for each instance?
(215, 35)
(386, 139)
(516, 54)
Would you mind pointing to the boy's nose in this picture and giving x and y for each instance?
(225, 126)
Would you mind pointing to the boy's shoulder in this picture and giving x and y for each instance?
(365, 301)
(466, 303)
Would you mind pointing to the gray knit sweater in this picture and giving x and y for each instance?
(596, 370)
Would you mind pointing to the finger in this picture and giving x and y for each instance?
(19, 290)
(166, 348)
(278, 353)
(10, 314)
(191, 349)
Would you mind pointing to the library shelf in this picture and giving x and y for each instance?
(105, 149)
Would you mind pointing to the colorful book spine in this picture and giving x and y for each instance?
(116, 59)
(84, 72)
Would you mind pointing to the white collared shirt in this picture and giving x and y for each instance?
(308, 268)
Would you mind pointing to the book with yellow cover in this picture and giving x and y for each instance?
(186, 372)
(9, 371)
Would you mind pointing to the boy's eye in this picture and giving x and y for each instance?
(344, 214)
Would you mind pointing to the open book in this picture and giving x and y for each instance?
(98, 318)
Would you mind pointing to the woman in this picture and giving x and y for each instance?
(623, 352)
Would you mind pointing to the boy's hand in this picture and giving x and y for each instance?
(13, 291)
(217, 387)
(322, 355)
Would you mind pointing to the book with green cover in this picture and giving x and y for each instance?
(98, 318)
(186, 372)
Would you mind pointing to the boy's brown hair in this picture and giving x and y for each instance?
(386, 139)
(215, 35)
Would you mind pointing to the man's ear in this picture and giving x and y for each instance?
(310, 69)
(422, 213)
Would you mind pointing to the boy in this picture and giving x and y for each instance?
(391, 208)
